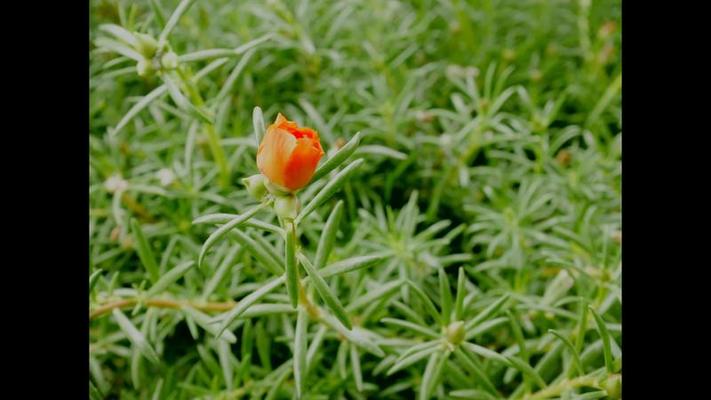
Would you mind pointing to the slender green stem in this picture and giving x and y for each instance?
(106, 308)
(213, 140)
(213, 137)
(292, 272)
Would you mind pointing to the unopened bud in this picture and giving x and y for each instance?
(169, 60)
(455, 332)
(144, 68)
(255, 186)
(147, 45)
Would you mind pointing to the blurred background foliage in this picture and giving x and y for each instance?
(492, 139)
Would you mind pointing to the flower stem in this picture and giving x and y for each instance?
(160, 303)
(292, 273)
(213, 139)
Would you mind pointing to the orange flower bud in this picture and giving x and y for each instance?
(288, 154)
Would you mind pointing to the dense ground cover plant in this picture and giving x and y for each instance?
(460, 236)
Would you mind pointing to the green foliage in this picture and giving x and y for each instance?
(460, 238)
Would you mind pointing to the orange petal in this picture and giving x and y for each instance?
(280, 119)
(302, 163)
(274, 153)
(289, 154)
(293, 128)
